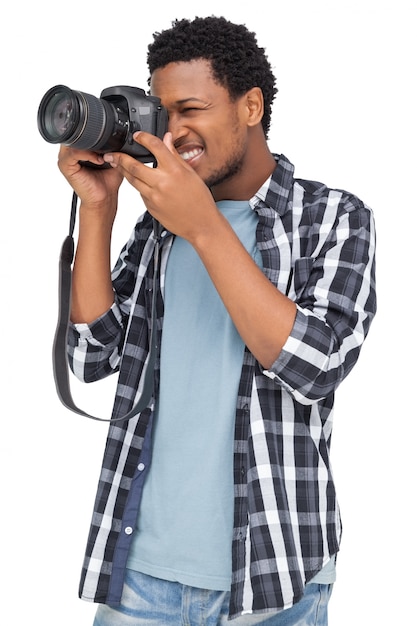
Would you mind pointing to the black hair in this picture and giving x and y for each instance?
(238, 63)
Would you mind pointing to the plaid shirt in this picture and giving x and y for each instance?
(317, 246)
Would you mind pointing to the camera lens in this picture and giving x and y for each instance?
(58, 115)
(78, 119)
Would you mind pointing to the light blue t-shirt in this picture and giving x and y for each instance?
(185, 523)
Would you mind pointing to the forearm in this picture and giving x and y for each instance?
(262, 315)
(92, 292)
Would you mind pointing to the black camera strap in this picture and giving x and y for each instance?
(60, 360)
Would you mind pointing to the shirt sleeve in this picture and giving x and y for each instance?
(336, 302)
(93, 349)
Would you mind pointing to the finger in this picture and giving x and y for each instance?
(169, 143)
(135, 172)
(71, 154)
(165, 152)
(161, 150)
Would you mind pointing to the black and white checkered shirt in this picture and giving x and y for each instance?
(317, 246)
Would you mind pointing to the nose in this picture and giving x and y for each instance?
(176, 126)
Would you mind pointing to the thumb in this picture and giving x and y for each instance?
(169, 142)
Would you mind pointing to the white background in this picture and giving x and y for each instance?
(345, 115)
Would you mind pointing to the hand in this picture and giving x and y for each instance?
(96, 187)
(172, 192)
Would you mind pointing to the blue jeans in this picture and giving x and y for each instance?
(148, 601)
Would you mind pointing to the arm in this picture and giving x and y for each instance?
(334, 287)
(94, 348)
(262, 315)
(92, 292)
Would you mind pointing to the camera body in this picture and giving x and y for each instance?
(145, 113)
(105, 124)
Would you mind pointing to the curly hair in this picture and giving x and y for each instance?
(238, 63)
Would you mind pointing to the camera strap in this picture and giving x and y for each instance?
(59, 351)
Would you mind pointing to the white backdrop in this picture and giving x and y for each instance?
(345, 114)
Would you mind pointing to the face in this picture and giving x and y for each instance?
(208, 129)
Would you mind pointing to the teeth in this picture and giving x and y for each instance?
(189, 155)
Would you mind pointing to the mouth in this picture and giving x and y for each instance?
(190, 154)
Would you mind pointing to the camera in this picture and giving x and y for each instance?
(104, 124)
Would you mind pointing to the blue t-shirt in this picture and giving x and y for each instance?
(185, 523)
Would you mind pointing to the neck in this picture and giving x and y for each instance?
(258, 165)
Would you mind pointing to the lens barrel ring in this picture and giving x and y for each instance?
(93, 120)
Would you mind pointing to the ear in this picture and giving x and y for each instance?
(254, 102)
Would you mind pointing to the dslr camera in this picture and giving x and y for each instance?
(104, 124)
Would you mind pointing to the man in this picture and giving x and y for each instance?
(217, 501)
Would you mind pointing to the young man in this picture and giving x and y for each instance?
(217, 500)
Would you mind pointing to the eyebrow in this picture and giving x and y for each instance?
(185, 100)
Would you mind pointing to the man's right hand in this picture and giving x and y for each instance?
(97, 187)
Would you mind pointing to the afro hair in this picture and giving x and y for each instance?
(237, 62)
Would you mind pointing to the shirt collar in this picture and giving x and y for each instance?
(276, 189)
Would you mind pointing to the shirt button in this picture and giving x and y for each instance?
(128, 530)
(141, 467)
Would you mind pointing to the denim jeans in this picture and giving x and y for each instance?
(148, 601)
